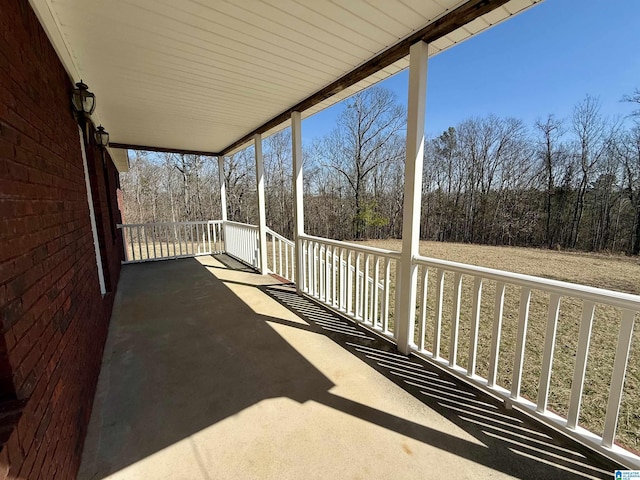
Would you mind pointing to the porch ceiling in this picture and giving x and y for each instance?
(201, 75)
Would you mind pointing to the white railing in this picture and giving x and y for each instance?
(242, 242)
(157, 241)
(440, 289)
(356, 280)
(281, 255)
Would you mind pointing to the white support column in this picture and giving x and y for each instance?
(223, 189)
(406, 296)
(296, 144)
(262, 217)
(223, 202)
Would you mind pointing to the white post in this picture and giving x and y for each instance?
(406, 297)
(223, 203)
(296, 144)
(223, 189)
(262, 218)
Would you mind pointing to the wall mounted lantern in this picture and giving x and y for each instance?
(101, 136)
(84, 102)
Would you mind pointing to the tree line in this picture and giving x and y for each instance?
(571, 183)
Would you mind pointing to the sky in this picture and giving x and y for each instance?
(542, 61)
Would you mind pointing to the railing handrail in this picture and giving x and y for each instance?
(240, 224)
(610, 297)
(373, 250)
(164, 240)
(280, 237)
(147, 224)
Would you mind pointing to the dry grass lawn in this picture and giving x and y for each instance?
(603, 271)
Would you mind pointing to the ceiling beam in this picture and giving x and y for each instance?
(432, 32)
(148, 148)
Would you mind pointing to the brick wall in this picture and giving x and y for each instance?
(53, 317)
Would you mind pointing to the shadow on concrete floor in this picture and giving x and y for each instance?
(186, 353)
(511, 435)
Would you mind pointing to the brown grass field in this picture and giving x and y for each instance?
(604, 271)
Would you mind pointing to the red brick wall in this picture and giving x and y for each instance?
(53, 317)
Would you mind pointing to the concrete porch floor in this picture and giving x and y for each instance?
(210, 372)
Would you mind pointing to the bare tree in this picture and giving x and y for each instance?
(551, 153)
(367, 135)
(590, 129)
(633, 98)
(278, 186)
(239, 174)
(631, 164)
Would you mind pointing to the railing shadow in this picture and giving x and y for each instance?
(517, 445)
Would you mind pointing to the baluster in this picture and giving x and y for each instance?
(337, 278)
(343, 281)
(139, 241)
(385, 299)
(146, 239)
(316, 271)
(455, 320)
(168, 242)
(422, 326)
(310, 262)
(132, 256)
(197, 244)
(365, 288)
(547, 356)
(358, 312)
(179, 230)
(157, 234)
(286, 263)
(475, 324)
(185, 238)
(279, 257)
(617, 377)
(438, 319)
(349, 283)
(521, 336)
(497, 332)
(577, 385)
(216, 237)
(321, 272)
(153, 239)
(327, 275)
(274, 263)
(376, 293)
(190, 235)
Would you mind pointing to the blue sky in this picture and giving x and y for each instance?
(542, 61)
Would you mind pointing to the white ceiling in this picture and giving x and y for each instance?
(201, 74)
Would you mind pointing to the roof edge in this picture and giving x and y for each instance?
(150, 148)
